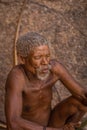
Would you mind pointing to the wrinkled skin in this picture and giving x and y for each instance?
(29, 94)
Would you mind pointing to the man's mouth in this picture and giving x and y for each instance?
(45, 70)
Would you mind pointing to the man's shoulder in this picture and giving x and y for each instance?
(55, 63)
(15, 80)
(15, 76)
(16, 71)
(56, 66)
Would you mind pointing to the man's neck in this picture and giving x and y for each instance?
(30, 69)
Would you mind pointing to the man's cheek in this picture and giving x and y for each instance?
(36, 64)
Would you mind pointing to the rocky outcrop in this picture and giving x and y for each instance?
(62, 22)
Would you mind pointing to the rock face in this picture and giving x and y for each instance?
(62, 22)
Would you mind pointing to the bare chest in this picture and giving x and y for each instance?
(37, 100)
(38, 92)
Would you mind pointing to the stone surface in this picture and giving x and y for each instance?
(62, 22)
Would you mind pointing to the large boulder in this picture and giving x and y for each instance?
(62, 22)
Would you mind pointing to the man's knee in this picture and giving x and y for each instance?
(70, 108)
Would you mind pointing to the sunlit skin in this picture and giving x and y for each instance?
(28, 98)
(40, 56)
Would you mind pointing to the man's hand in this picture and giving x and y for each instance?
(84, 99)
(69, 126)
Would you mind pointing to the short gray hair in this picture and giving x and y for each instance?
(28, 41)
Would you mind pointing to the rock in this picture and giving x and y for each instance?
(63, 23)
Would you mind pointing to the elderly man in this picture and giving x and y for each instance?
(29, 90)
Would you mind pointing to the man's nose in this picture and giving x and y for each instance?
(44, 61)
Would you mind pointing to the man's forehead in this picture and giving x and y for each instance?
(41, 48)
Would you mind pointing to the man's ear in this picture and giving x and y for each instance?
(21, 60)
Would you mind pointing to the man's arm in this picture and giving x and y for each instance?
(65, 77)
(13, 105)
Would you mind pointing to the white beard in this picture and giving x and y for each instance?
(43, 76)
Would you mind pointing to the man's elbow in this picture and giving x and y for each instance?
(13, 125)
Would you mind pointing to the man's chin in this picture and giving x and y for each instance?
(43, 76)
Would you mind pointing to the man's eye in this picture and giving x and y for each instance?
(37, 57)
(48, 55)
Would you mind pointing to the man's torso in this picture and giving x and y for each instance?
(37, 96)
